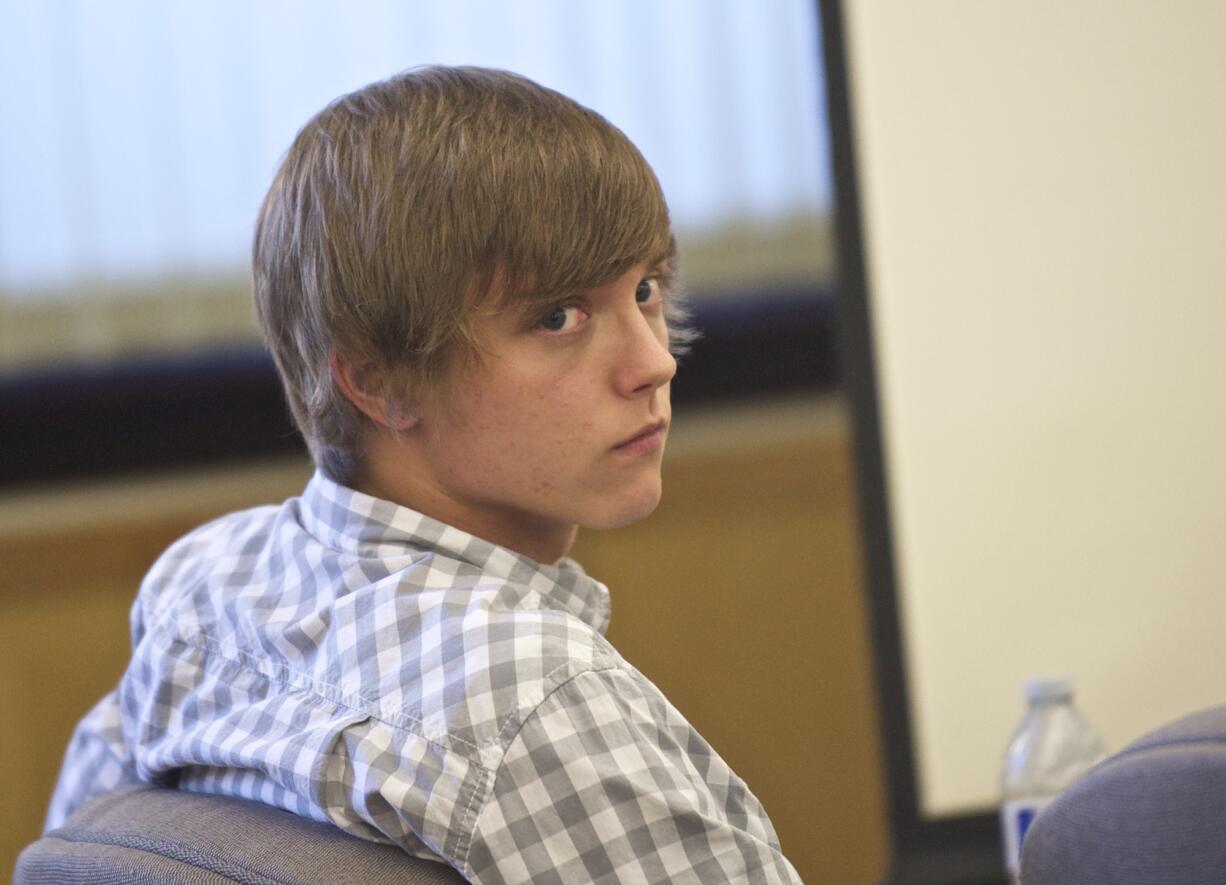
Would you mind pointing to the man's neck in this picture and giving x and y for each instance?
(392, 471)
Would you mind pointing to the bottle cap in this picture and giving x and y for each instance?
(1049, 688)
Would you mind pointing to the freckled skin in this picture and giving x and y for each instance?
(520, 447)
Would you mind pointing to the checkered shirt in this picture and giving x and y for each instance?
(353, 661)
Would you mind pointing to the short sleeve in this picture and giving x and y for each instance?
(606, 782)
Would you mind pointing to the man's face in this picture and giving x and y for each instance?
(560, 424)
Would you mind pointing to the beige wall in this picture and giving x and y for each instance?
(739, 597)
(1043, 186)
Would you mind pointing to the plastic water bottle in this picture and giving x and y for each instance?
(1051, 747)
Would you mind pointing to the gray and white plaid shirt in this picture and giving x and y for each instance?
(354, 661)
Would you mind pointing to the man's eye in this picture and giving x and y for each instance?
(646, 289)
(561, 319)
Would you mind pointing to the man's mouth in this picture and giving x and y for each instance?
(648, 439)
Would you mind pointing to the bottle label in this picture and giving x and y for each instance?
(1016, 816)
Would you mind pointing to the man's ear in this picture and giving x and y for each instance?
(365, 385)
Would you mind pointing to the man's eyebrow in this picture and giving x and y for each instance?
(663, 268)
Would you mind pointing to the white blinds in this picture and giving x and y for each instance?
(138, 136)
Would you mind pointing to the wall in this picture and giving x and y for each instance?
(739, 597)
(1042, 190)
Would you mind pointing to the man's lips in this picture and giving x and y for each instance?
(648, 439)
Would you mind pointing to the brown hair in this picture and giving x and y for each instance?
(398, 206)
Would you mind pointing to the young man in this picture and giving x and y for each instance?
(466, 282)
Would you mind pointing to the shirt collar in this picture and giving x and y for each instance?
(363, 525)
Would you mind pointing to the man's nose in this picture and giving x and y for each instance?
(644, 363)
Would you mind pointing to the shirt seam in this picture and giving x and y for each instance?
(469, 830)
(291, 679)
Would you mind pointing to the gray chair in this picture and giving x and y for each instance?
(145, 835)
(1153, 813)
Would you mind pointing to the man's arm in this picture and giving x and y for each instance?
(607, 782)
(96, 761)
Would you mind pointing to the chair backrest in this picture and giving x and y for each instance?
(1154, 812)
(146, 834)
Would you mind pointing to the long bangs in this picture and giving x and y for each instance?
(582, 213)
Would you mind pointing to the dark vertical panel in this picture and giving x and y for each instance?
(925, 850)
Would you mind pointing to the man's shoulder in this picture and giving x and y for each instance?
(191, 563)
(230, 531)
(502, 649)
(415, 638)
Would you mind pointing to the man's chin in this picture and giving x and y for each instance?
(628, 510)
